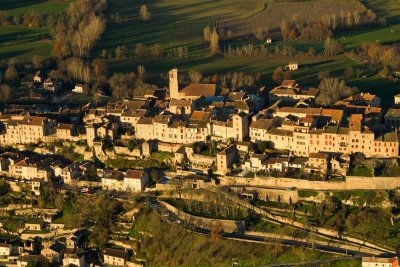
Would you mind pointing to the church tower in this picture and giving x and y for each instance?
(173, 84)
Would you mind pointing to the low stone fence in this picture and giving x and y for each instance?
(57, 232)
(228, 226)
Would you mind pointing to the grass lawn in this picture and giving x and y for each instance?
(173, 23)
(385, 35)
(18, 7)
(390, 9)
(361, 171)
(379, 86)
(208, 210)
(161, 156)
(23, 42)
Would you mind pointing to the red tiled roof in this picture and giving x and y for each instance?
(197, 89)
(134, 174)
(200, 115)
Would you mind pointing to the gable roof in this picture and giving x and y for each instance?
(198, 89)
(134, 174)
(199, 115)
(118, 253)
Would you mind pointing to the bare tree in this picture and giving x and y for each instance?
(121, 52)
(5, 92)
(141, 72)
(260, 33)
(144, 13)
(207, 33)
(11, 73)
(214, 42)
(87, 34)
(332, 47)
(99, 69)
(195, 76)
(156, 50)
(139, 50)
(38, 62)
(279, 75)
(79, 70)
(332, 90)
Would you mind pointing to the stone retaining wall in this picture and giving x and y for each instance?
(351, 183)
(228, 226)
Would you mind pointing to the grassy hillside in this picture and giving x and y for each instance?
(164, 248)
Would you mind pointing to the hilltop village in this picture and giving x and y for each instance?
(206, 128)
(197, 136)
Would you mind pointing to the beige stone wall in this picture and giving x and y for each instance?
(167, 147)
(275, 194)
(351, 183)
(121, 150)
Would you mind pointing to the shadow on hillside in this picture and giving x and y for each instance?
(12, 4)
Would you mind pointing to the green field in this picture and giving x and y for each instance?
(385, 35)
(179, 23)
(20, 8)
(390, 9)
(173, 23)
(23, 42)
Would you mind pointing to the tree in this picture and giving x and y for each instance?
(332, 47)
(141, 72)
(16, 20)
(145, 15)
(349, 72)
(332, 90)
(4, 188)
(323, 75)
(38, 62)
(195, 76)
(311, 52)
(11, 73)
(216, 231)
(78, 69)
(156, 50)
(99, 69)
(207, 33)
(139, 50)
(121, 52)
(214, 42)
(5, 92)
(3, 18)
(122, 85)
(87, 34)
(279, 75)
(260, 33)
(285, 29)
